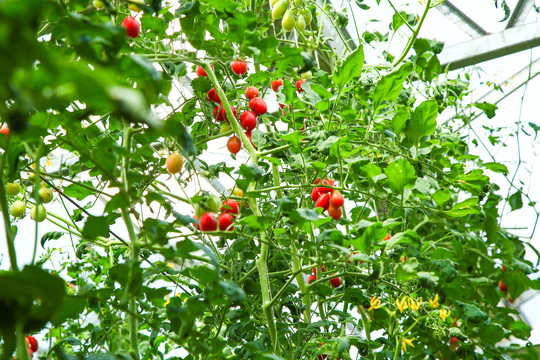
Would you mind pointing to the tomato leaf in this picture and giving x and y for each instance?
(400, 175)
(423, 121)
(390, 86)
(350, 69)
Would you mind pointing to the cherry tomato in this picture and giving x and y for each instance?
(315, 194)
(200, 71)
(323, 269)
(502, 286)
(323, 202)
(276, 84)
(223, 113)
(248, 120)
(213, 96)
(208, 222)
(174, 163)
(299, 85)
(311, 278)
(32, 343)
(133, 27)
(251, 92)
(334, 211)
(248, 134)
(336, 198)
(234, 144)
(229, 206)
(336, 282)
(226, 221)
(239, 67)
(4, 131)
(258, 105)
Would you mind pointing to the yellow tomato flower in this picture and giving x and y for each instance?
(375, 303)
(414, 304)
(434, 303)
(402, 304)
(405, 342)
(443, 313)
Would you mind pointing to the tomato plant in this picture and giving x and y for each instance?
(154, 245)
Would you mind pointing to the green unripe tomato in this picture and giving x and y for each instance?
(99, 4)
(13, 189)
(307, 75)
(17, 209)
(38, 213)
(273, 2)
(46, 195)
(301, 23)
(32, 176)
(279, 9)
(225, 127)
(213, 204)
(288, 21)
(307, 16)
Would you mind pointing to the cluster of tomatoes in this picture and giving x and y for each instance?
(18, 207)
(248, 119)
(225, 221)
(132, 25)
(335, 281)
(328, 199)
(292, 14)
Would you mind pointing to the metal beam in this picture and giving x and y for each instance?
(520, 13)
(510, 86)
(461, 20)
(491, 46)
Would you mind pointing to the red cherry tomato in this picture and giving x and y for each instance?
(32, 343)
(336, 282)
(251, 92)
(239, 67)
(387, 237)
(336, 198)
(4, 131)
(299, 85)
(213, 96)
(248, 134)
(234, 144)
(208, 222)
(323, 202)
(225, 222)
(502, 286)
(218, 113)
(323, 269)
(315, 194)
(223, 113)
(133, 27)
(311, 278)
(258, 105)
(276, 84)
(200, 71)
(334, 211)
(248, 120)
(229, 206)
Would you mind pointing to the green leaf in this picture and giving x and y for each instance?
(77, 191)
(515, 200)
(407, 270)
(51, 235)
(399, 121)
(423, 121)
(472, 313)
(371, 235)
(488, 108)
(400, 175)
(389, 86)
(441, 196)
(496, 167)
(467, 207)
(96, 226)
(350, 69)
